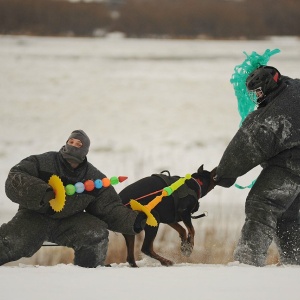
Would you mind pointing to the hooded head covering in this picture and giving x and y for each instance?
(72, 153)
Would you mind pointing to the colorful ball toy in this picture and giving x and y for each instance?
(70, 189)
(79, 187)
(98, 184)
(106, 182)
(90, 185)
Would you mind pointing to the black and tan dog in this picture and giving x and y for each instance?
(179, 206)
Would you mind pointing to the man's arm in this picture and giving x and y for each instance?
(24, 187)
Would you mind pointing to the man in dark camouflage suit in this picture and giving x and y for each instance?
(270, 137)
(84, 221)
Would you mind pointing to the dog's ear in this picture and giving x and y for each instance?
(200, 169)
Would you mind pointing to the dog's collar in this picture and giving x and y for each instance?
(200, 183)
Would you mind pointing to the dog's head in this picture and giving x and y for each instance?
(205, 180)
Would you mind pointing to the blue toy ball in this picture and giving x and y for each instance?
(98, 184)
(79, 187)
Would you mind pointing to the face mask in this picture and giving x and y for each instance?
(74, 154)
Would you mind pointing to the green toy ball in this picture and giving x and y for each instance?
(114, 180)
(70, 189)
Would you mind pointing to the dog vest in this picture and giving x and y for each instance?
(180, 193)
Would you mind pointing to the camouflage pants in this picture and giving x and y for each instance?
(26, 232)
(272, 213)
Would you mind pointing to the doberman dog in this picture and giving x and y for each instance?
(179, 206)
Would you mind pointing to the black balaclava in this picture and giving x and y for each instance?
(74, 154)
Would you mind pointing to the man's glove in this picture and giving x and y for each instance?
(210, 179)
(140, 222)
(49, 195)
(224, 182)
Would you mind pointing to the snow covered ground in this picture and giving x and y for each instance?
(147, 105)
(208, 282)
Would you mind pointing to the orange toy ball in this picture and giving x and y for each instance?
(89, 185)
(106, 182)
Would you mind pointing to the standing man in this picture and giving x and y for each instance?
(270, 137)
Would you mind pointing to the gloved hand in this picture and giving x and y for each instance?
(224, 182)
(140, 222)
(49, 195)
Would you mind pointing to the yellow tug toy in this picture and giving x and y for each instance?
(167, 191)
(58, 203)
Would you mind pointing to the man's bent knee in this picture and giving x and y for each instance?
(92, 256)
(13, 246)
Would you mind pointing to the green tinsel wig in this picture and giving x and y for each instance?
(241, 72)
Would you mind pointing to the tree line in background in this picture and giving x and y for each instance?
(219, 19)
(51, 17)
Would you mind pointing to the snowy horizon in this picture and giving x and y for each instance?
(147, 105)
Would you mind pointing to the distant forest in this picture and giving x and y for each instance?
(216, 19)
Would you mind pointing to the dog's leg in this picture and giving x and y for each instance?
(180, 230)
(147, 248)
(190, 240)
(187, 247)
(187, 241)
(129, 239)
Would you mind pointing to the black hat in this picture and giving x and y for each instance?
(82, 136)
(265, 77)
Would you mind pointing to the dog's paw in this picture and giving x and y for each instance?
(186, 248)
(166, 262)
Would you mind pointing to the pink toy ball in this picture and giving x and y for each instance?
(89, 185)
(79, 187)
(98, 184)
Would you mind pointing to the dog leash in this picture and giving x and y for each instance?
(156, 192)
(150, 194)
